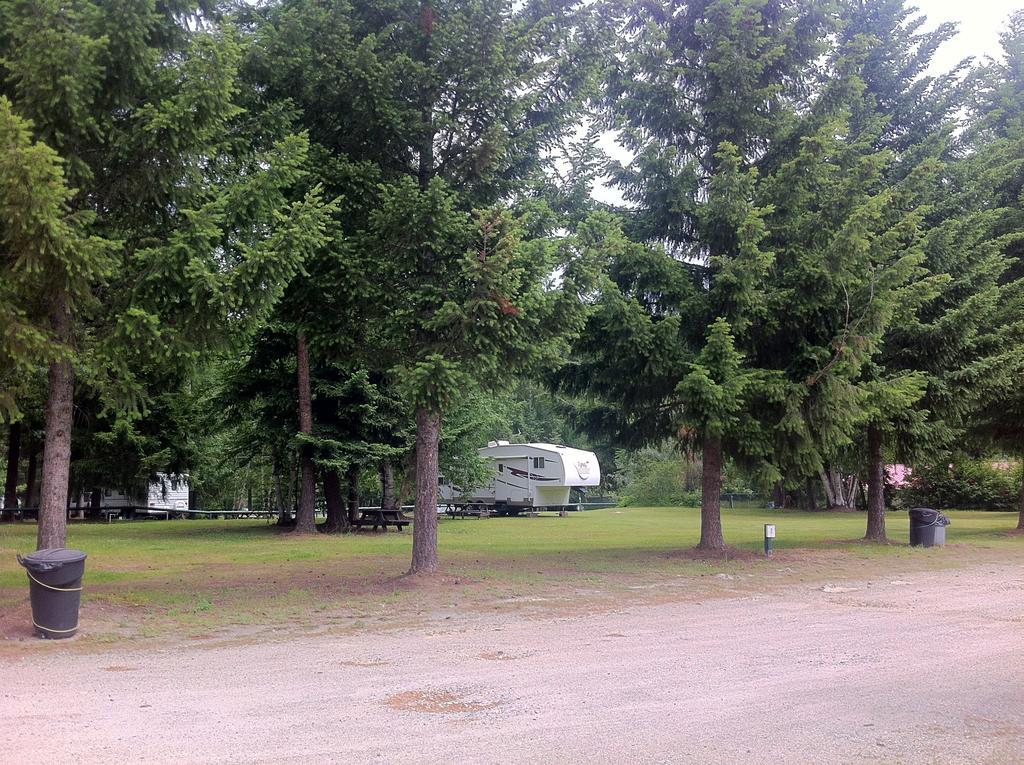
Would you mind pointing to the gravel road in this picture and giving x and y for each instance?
(927, 668)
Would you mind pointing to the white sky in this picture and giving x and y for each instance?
(979, 23)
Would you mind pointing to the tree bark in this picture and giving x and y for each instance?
(406, 484)
(337, 518)
(841, 487)
(13, 462)
(424, 527)
(53, 500)
(290, 503)
(711, 537)
(305, 518)
(852, 491)
(388, 500)
(812, 502)
(353, 492)
(828, 487)
(52, 528)
(1020, 519)
(30, 476)
(283, 515)
(876, 485)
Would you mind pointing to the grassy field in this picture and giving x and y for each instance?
(200, 578)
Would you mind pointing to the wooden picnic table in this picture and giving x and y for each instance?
(381, 519)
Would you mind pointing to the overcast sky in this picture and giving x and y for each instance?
(979, 22)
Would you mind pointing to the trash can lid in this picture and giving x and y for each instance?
(52, 557)
(923, 511)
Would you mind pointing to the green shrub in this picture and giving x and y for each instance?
(962, 484)
(662, 477)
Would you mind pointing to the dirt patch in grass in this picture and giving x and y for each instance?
(728, 554)
(240, 597)
(16, 622)
(246, 603)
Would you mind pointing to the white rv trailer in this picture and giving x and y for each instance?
(526, 476)
(162, 491)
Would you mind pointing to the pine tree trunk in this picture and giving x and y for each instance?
(1020, 519)
(305, 518)
(53, 499)
(852, 491)
(52, 529)
(30, 476)
(827, 486)
(711, 537)
(353, 492)
(13, 461)
(407, 484)
(283, 515)
(840, 488)
(424, 527)
(289, 497)
(812, 502)
(876, 485)
(388, 500)
(337, 518)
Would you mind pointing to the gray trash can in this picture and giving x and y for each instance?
(927, 527)
(55, 589)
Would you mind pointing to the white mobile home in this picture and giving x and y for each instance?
(527, 476)
(161, 491)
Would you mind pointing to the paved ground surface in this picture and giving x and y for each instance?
(925, 668)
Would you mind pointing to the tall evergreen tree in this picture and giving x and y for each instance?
(993, 173)
(941, 354)
(139, 105)
(44, 248)
(703, 95)
(478, 309)
(425, 114)
(794, 248)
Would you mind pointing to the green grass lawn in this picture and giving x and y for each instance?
(206, 574)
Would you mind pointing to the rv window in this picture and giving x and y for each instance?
(538, 462)
(106, 492)
(501, 468)
(440, 479)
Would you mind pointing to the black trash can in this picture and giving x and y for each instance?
(55, 589)
(927, 527)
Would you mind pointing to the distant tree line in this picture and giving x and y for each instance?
(303, 250)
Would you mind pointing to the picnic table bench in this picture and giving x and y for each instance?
(132, 513)
(381, 519)
(225, 514)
